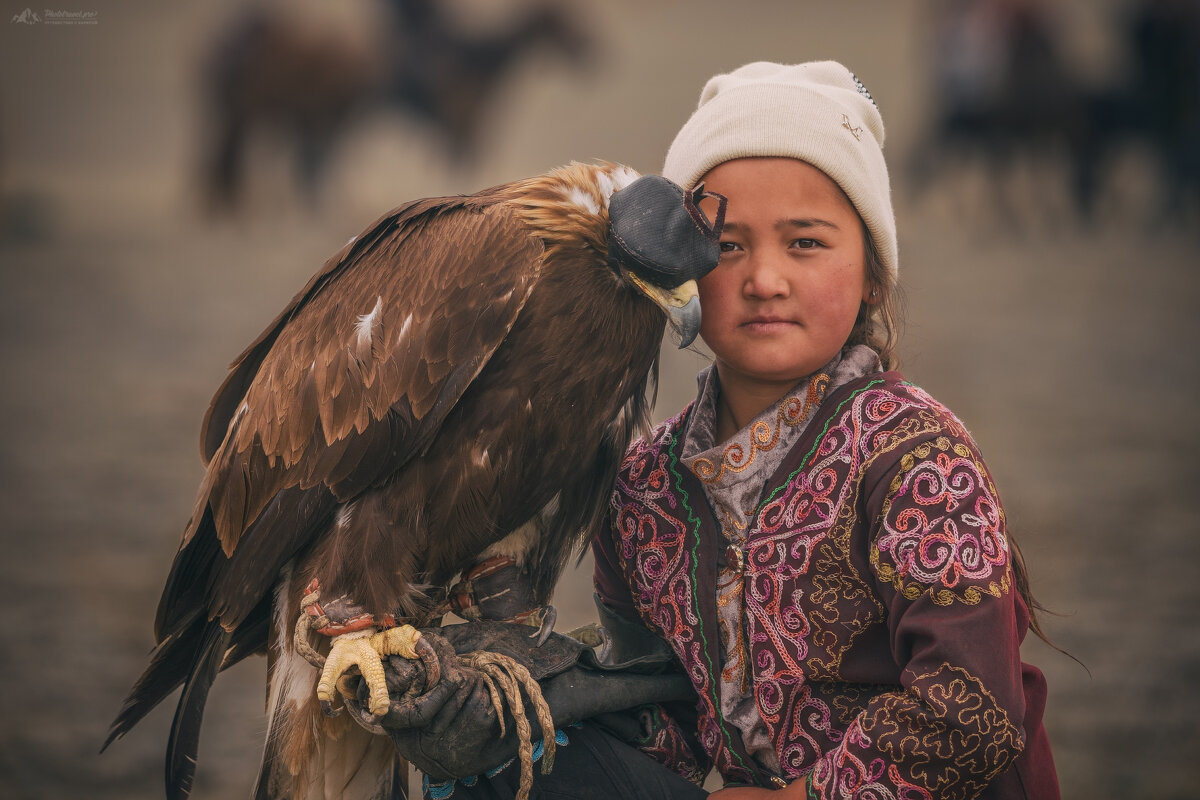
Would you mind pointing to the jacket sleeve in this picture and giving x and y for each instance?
(939, 554)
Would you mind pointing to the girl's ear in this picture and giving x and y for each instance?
(870, 293)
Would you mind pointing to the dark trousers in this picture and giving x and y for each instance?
(589, 763)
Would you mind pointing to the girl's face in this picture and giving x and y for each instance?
(784, 297)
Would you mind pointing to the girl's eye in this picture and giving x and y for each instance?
(805, 244)
(729, 247)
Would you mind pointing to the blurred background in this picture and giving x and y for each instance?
(170, 174)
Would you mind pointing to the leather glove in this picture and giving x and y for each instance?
(453, 731)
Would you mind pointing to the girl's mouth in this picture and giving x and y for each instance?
(767, 324)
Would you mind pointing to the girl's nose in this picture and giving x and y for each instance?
(764, 278)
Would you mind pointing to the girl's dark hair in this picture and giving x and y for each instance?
(1021, 578)
(877, 325)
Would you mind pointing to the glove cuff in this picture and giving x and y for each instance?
(496, 589)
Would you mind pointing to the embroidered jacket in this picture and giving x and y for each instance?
(882, 620)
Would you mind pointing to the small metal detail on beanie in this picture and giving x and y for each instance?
(857, 132)
(862, 89)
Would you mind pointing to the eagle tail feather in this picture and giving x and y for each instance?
(184, 740)
(273, 781)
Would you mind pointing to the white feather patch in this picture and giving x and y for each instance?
(605, 185)
(583, 199)
(293, 679)
(236, 419)
(364, 328)
(609, 181)
(404, 329)
(622, 176)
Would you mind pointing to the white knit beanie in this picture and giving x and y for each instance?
(818, 112)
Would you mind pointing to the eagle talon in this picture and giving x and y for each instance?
(433, 667)
(549, 615)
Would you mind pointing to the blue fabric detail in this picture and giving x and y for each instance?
(440, 791)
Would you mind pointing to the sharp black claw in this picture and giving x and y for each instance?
(365, 719)
(433, 668)
(549, 615)
(329, 710)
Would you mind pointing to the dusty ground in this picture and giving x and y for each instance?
(1069, 353)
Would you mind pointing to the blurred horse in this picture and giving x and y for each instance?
(268, 72)
(447, 76)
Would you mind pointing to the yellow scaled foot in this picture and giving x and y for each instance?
(365, 650)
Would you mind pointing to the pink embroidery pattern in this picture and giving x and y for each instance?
(794, 527)
(948, 539)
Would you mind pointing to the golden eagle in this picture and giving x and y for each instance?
(467, 370)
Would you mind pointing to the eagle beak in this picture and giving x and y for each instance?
(682, 305)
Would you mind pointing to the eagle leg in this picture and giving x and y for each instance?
(357, 644)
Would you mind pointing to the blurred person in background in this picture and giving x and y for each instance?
(1005, 98)
(1153, 102)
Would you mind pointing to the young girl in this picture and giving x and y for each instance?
(818, 540)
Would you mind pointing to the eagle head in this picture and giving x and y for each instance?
(652, 233)
(658, 235)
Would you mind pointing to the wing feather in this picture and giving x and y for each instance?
(433, 303)
(229, 396)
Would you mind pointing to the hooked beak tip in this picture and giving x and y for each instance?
(686, 320)
(682, 305)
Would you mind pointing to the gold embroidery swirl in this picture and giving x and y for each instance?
(792, 411)
(948, 732)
